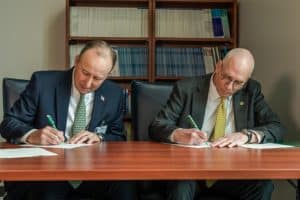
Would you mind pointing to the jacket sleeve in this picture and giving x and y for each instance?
(266, 122)
(166, 121)
(19, 119)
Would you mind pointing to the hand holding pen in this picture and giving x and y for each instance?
(57, 135)
(191, 136)
(48, 135)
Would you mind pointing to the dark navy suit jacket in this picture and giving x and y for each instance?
(48, 92)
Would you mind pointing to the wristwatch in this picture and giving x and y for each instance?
(249, 134)
(260, 133)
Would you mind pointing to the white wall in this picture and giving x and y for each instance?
(271, 30)
(31, 37)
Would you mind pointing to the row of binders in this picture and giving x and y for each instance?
(187, 61)
(192, 23)
(175, 61)
(133, 22)
(108, 22)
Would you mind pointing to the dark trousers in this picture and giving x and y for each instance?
(61, 190)
(222, 189)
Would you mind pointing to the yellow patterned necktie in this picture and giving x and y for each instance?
(220, 124)
(219, 130)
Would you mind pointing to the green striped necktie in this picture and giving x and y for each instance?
(80, 116)
(79, 125)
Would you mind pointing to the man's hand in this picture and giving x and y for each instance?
(231, 140)
(84, 137)
(189, 136)
(46, 136)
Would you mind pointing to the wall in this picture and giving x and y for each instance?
(271, 30)
(31, 37)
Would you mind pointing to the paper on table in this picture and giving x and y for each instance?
(204, 145)
(61, 146)
(266, 146)
(24, 152)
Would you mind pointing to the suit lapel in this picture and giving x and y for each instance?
(240, 107)
(98, 108)
(63, 93)
(199, 101)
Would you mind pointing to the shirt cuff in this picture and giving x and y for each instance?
(171, 137)
(23, 139)
(257, 134)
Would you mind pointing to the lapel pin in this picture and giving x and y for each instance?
(102, 98)
(242, 103)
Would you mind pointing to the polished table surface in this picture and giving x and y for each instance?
(153, 161)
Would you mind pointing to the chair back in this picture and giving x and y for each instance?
(12, 88)
(146, 101)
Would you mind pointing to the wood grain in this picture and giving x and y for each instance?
(153, 161)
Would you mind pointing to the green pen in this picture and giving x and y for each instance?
(192, 122)
(51, 121)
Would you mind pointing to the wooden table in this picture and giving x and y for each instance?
(153, 161)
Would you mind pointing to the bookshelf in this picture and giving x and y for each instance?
(156, 40)
(152, 37)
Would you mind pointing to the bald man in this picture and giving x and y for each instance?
(247, 119)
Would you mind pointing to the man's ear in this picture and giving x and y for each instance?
(218, 66)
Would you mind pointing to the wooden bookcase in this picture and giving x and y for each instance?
(151, 40)
(154, 19)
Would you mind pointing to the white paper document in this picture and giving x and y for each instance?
(24, 152)
(266, 146)
(61, 146)
(204, 145)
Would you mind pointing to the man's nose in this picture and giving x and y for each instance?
(88, 83)
(230, 85)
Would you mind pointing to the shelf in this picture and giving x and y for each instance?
(109, 3)
(127, 78)
(193, 3)
(196, 1)
(150, 32)
(170, 39)
(111, 40)
(194, 41)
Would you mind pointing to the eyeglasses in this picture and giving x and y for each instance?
(228, 79)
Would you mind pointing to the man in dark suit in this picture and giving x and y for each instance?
(58, 94)
(229, 99)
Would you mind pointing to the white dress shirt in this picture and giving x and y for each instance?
(213, 100)
(74, 100)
